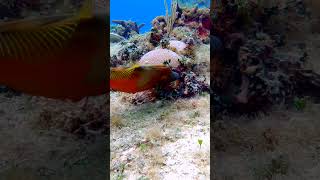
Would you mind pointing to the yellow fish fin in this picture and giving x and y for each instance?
(123, 73)
(22, 43)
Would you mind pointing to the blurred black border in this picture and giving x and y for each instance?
(108, 154)
(212, 112)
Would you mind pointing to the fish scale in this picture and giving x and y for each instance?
(139, 77)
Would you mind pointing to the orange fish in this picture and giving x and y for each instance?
(140, 77)
(61, 57)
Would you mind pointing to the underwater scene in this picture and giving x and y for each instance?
(53, 102)
(159, 82)
(265, 82)
(248, 71)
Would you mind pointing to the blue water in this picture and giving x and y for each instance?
(144, 11)
(140, 11)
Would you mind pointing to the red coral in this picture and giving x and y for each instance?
(206, 23)
(203, 33)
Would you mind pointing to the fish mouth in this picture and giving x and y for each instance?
(174, 76)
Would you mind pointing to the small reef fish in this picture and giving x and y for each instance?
(61, 56)
(140, 77)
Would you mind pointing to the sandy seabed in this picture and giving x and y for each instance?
(37, 143)
(160, 140)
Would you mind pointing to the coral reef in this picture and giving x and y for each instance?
(141, 40)
(195, 19)
(247, 72)
(155, 37)
(189, 85)
(127, 28)
(173, 40)
(179, 46)
(115, 38)
(187, 97)
(129, 53)
(194, 74)
(131, 50)
(182, 33)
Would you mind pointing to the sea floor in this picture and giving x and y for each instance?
(282, 144)
(36, 142)
(160, 140)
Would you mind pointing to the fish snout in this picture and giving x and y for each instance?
(174, 76)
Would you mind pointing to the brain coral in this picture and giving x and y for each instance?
(159, 56)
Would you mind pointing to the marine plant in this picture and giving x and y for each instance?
(121, 175)
(170, 19)
(278, 165)
(143, 147)
(299, 103)
(200, 142)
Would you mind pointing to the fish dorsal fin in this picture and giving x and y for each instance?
(21, 43)
(123, 73)
(34, 36)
